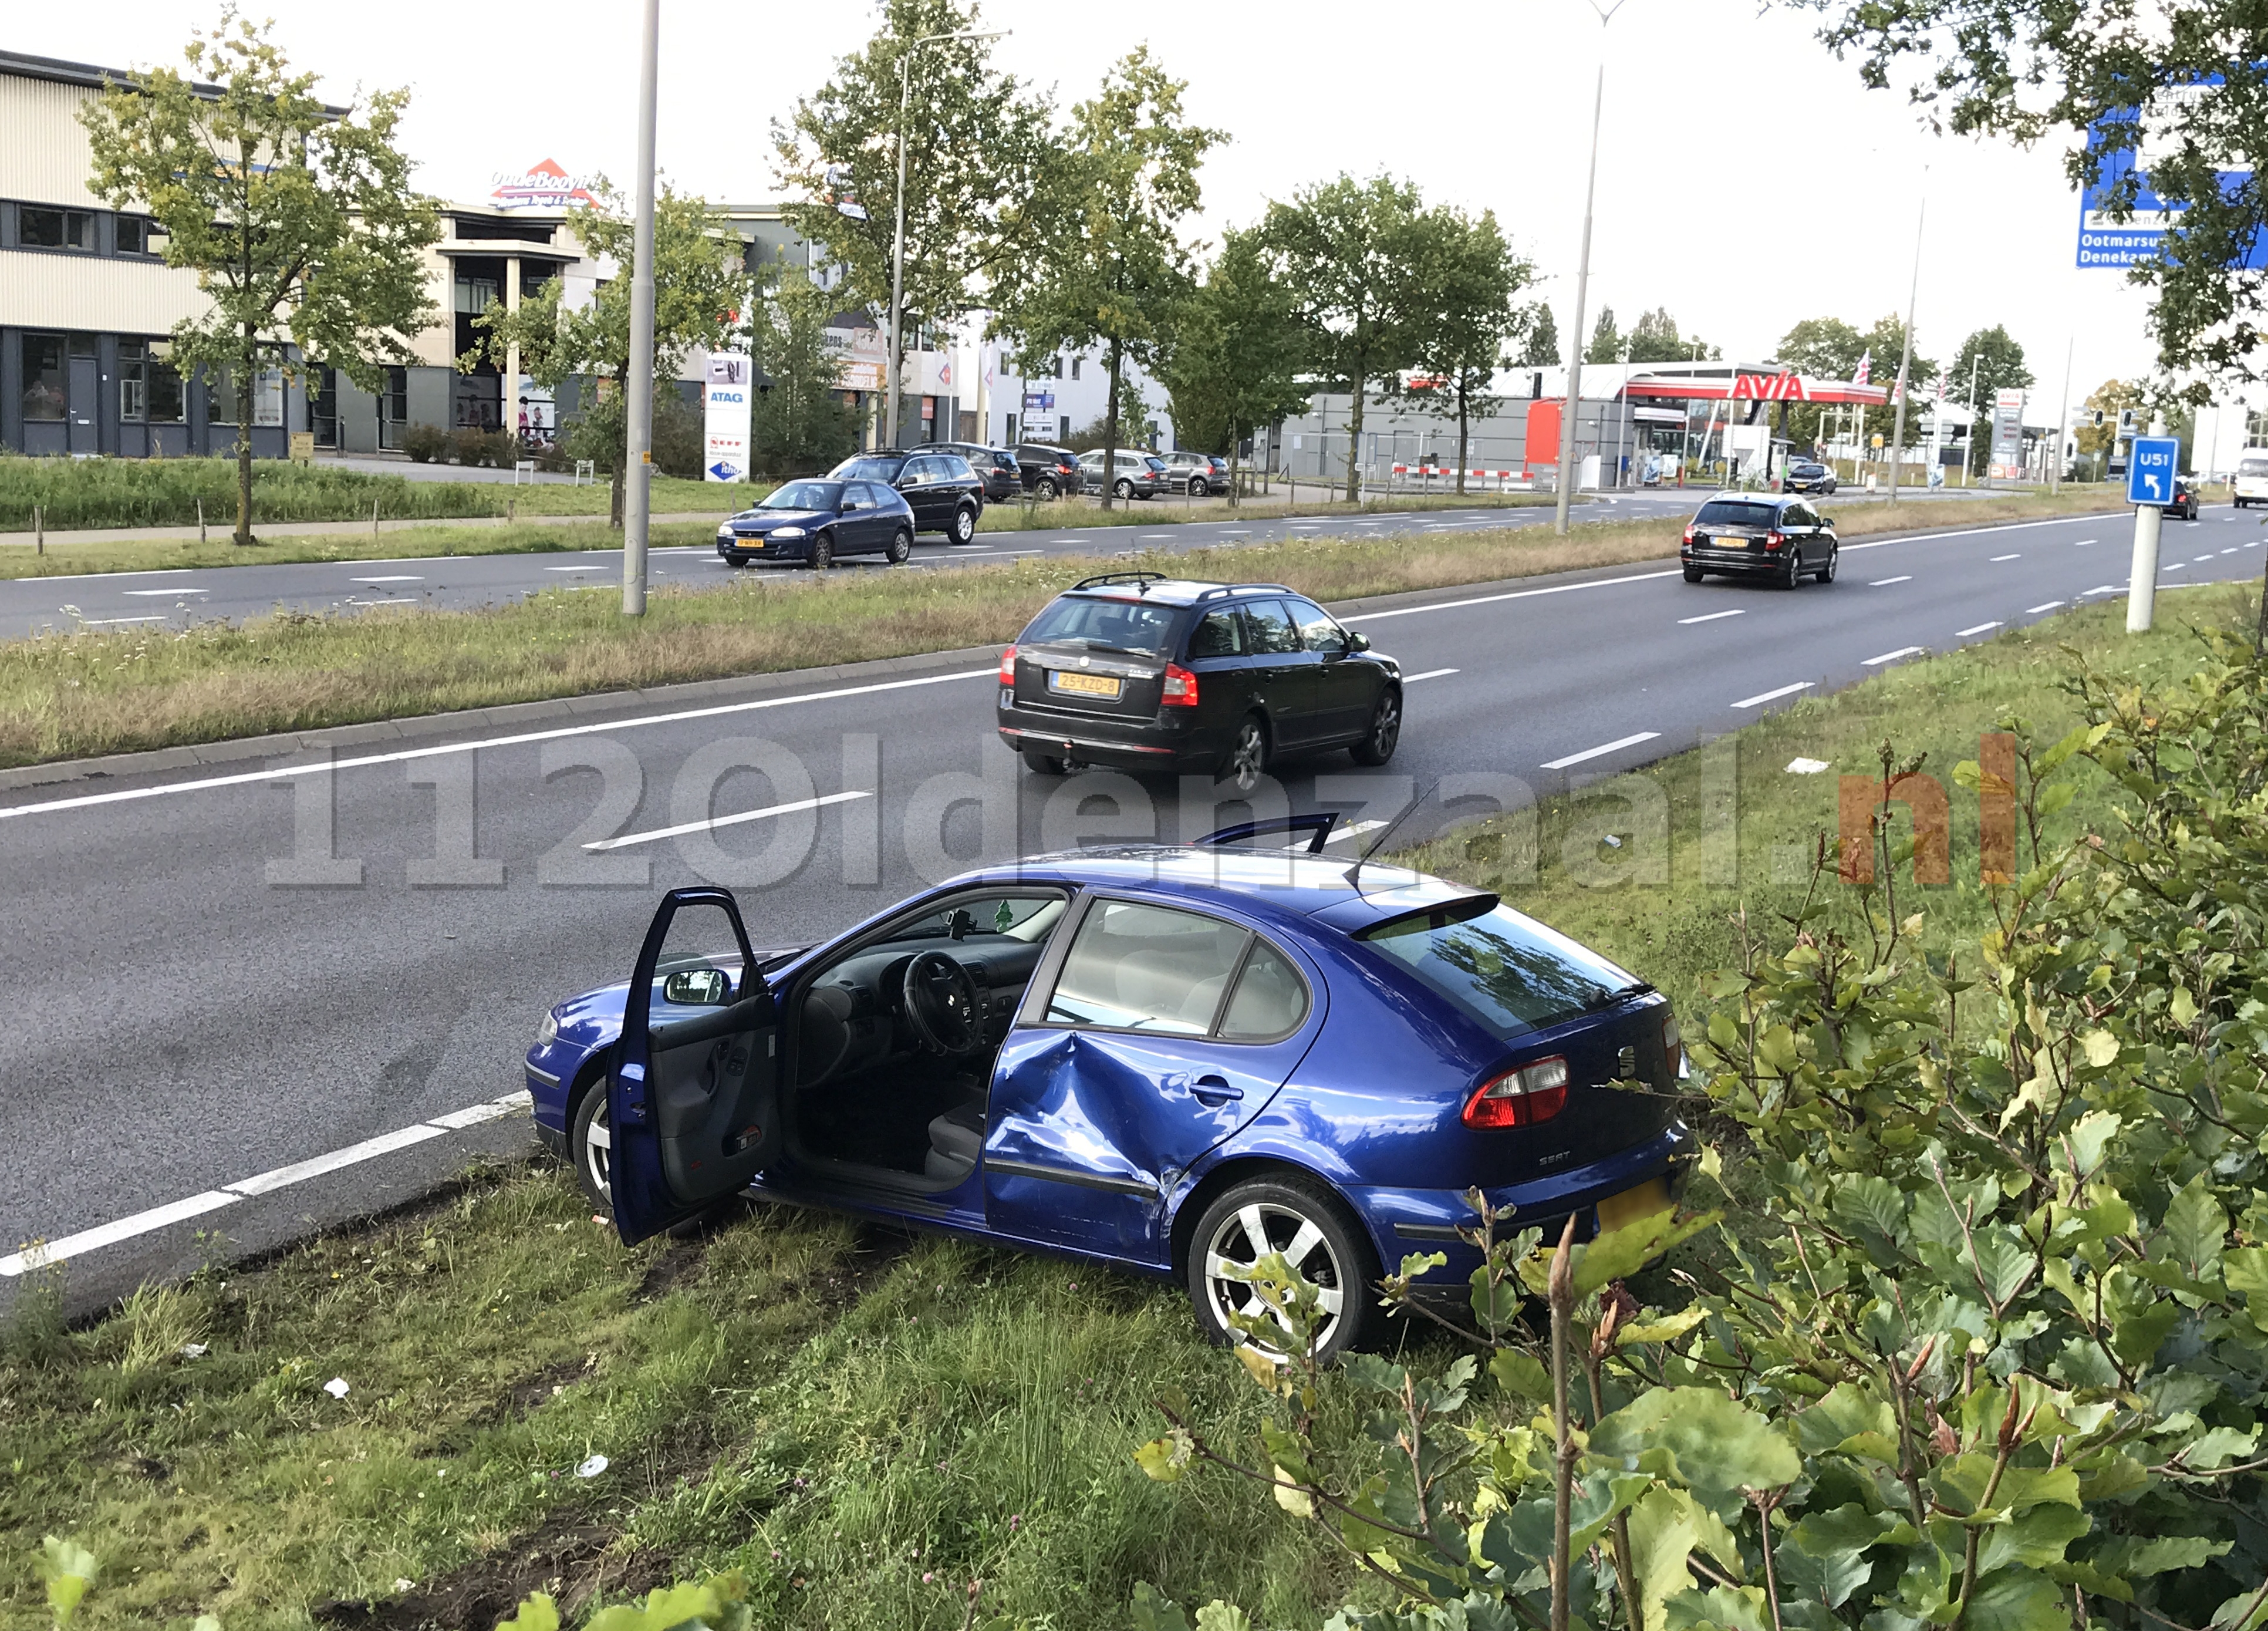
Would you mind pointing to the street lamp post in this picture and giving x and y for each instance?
(898, 234)
(638, 400)
(1905, 358)
(1582, 286)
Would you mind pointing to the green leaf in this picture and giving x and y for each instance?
(1845, 1531)
(2195, 1228)
(2131, 1557)
(2004, 1263)
(1154, 1611)
(1219, 1616)
(1619, 1253)
(2135, 1336)
(1734, 1608)
(537, 1612)
(2247, 1610)
(1167, 1458)
(2102, 1049)
(1723, 1034)
(2181, 1007)
(1829, 1581)
(666, 1609)
(2091, 1134)
(2031, 1539)
(1873, 1203)
(2247, 1269)
(1665, 1527)
(1846, 1412)
(1666, 1329)
(1717, 1447)
(69, 1568)
(2018, 1600)
(1521, 1374)
(1297, 1503)
(2217, 1447)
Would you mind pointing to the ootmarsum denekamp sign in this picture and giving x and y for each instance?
(2105, 242)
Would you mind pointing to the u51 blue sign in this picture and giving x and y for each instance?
(2105, 242)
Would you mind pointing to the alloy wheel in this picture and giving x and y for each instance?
(1124, 490)
(1826, 574)
(1046, 489)
(901, 545)
(1248, 760)
(1385, 732)
(823, 553)
(598, 1152)
(1252, 1232)
(964, 526)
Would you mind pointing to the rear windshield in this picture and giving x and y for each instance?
(2253, 466)
(1106, 624)
(1507, 971)
(1736, 513)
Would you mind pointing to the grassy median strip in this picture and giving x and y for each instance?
(862, 1422)
(74, 493)
(104, 691)
(359, 543)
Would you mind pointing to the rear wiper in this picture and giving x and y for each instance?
(1608, 998)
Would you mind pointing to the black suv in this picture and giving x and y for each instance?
(1136, 671)
(1049, 472)
(995, 467)
(1757, 535)
(945, 494)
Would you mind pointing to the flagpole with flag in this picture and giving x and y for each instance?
(1861, 375)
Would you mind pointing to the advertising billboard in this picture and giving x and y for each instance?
(731, 387)
(2008, 435)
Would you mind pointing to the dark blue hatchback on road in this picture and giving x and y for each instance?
(1172, 1059)
(816, 522)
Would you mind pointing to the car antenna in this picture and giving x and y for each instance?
(1354, 872)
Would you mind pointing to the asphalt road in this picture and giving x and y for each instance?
(177, 598)
(216, 975)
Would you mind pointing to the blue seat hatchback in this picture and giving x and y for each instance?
(1170, 1058)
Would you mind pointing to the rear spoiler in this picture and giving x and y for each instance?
(1319, 826)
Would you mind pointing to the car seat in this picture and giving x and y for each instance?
(956, 1140)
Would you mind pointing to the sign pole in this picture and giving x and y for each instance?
(2151, 469)
(638, 400)
(2063, 420)
(2142, 584)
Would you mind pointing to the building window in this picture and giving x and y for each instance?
(323, 406)
(53, 229)
(46, 393)
(393, 408)
(1074, 367)
(167, 402)
(267, 396)
(133, 380)
(1058, 367)
(2256, 429)
(474, 295)
(139, 235)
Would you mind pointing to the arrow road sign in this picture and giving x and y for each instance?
(2150, 473)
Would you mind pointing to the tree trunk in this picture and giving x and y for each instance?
(244, 437)
(614, 500)
(1233, 468)
(1464, 436)
(1354, 446)
(1110, 432)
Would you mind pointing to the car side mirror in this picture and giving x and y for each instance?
(695, 988)
(1358, 641)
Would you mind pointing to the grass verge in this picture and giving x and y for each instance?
(101, 691)
(862, 1422)
(74, 493)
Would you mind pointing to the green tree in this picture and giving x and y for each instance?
(1116, 272)
(1466, 277)
(1236, 356)
(1606, 339)
(700, 299)
(1346, 248)
(299, 222)
(1541, 349)
(1654, 338)
(1824, 348)
(2046, 70)
(800, 422)
(1999, 365)
(983, 168)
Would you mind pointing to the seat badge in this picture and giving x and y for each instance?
(1085, 661)
(1626, 1064)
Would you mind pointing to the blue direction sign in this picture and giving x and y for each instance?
(2150, 477)
(2103, 242)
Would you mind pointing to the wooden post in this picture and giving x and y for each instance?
(201, 521)
(39, 530)
(373, 518)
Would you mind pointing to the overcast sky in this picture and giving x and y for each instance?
(1746, 177)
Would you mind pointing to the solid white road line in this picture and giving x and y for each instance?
(1962, 634)
(1761, 697)
(2018, 556)
(179, 588)
(1430, 674)
(1884, 583)
(125, 1229)
(715, 821)
(1607, 746)
(2045, 606)
(1902, 651)
(1713, 616)
(385, 580)
(246, 777)
(152, 618)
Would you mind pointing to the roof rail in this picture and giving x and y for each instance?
(1244, 588)
(1142, 578)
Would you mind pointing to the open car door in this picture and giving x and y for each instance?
(692, 1096)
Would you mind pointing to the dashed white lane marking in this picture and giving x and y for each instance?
(246, 778)
(2080, 543)
(152, 618)
(1884, 583)
(1902, 651)
(1713, 616)
(1603, 748)
(179, 588)
(574, 569)
(714, 822)
(122, 1229)
(2017, 557)
(396, 579)
(1962, 634)
(1762, 698)
(2194, 559)
(2043, 606)
(1430, 674)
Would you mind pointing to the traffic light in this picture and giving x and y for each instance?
(2098, 418)
(2129, 422)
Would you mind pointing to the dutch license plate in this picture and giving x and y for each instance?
(1107, 685)
(750, 541)
(1647, 1199)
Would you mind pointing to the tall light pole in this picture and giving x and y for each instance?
(898, 234)
(1582, 287)
(1905, 356)
(639, 396)
(2063, 418)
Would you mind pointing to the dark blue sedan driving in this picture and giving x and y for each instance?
(816, 522)
(1170, 1058)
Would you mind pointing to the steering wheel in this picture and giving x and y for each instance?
(943, 1005)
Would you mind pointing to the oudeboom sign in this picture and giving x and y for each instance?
(731, 382)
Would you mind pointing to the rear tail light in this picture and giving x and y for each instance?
(1520, 1098)
(1673, 1046)
(1008, 667)
(1773, 540)
(1181, 690)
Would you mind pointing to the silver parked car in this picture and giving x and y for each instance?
(1137, 475)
